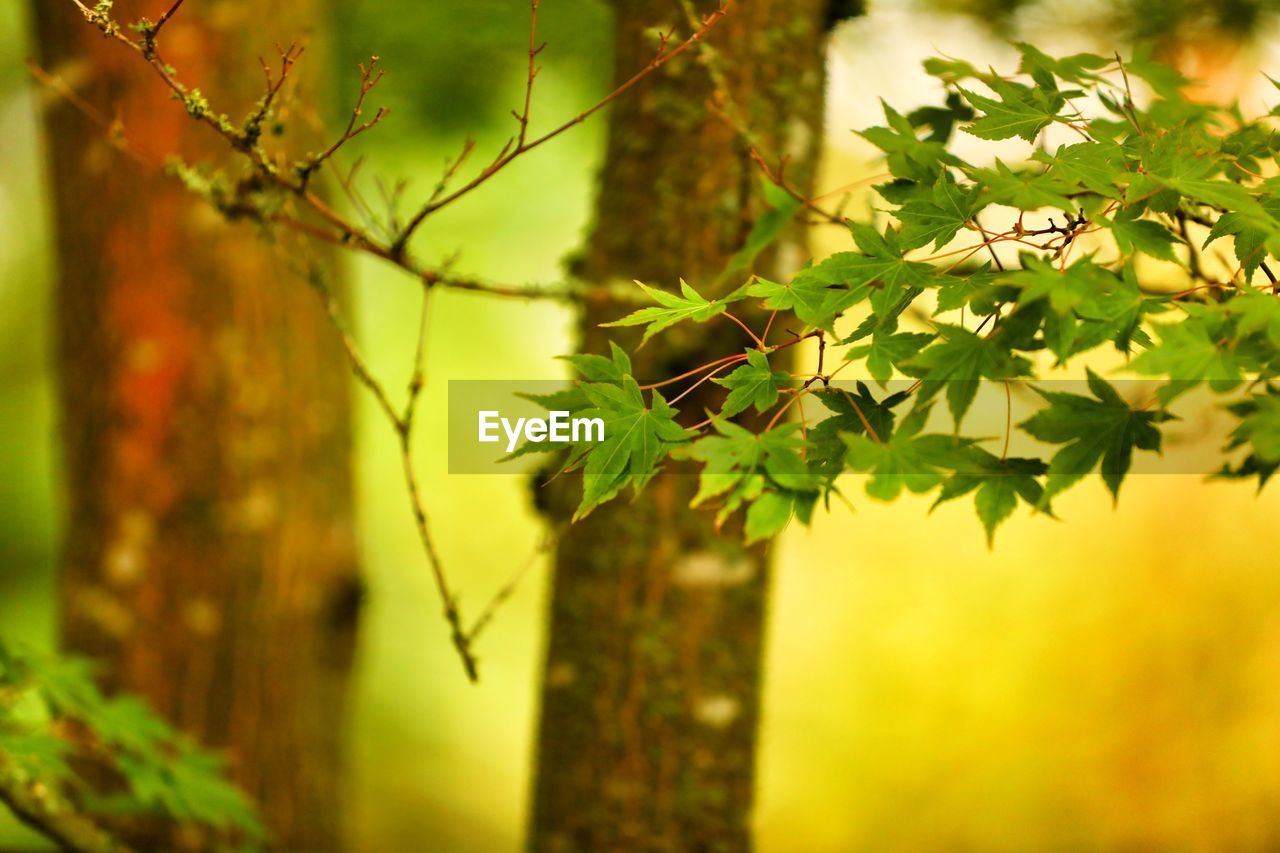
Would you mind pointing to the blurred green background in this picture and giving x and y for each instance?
(1105, 682)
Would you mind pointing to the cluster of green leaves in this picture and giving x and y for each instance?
(54, 721)
(1055, 260)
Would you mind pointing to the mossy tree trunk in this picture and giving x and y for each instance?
(651, 690)
(210, 560)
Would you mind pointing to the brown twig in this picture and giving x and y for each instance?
(327, 225)
(288, 58)
(165, 18)
(402, 422)
(508, 589)
(368, 80)
(113, 128)
(778, 178)
(519, 146)
(339, 230)
(534, 49)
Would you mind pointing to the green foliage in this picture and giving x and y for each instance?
(958, 361)
(51, 712)
(487, 38)
(638, 435)
(753, 384)
(1105, 429)
(765, 469)
(1057, 272)
(904, 458)
(1021, 111)
(671, 309)
(939, 217)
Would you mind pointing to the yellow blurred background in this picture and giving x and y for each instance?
(1107, 681)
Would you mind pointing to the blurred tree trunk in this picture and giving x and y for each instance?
(210, 550)
(651, 690)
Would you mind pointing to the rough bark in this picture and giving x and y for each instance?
(651, 690)
(210, 550)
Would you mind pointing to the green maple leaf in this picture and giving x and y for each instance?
(1096, 166)
(193, 788)
(880, 265)
(729, 458)
(164, 773)
(940, 217)
(1142, 235)
(753, 384)
(1077, 68)
(953, 70)
(941, 120)
(597, 368)
(1192, 351)
(1119, 311)
(1029, 189)
(637, 437)
(814, 295)
(737, 453)
(822, 292)
(1183, 164)
(1100, 430)
(768, 515)
(35, 754)
(997, 485)
(1251, 241)
(671, 309)
(1079, 287)
(909, 158)
(1259, 426)
(1224, 194)
(1021, 111)
(592, 368)
(958, 361)
(1090, 304)
(888, 348)
(852, 413)
(1258, 313)
(764, 471)
(905, 459)
(979, 290)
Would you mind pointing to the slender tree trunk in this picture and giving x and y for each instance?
(651, 689)
(210, 550)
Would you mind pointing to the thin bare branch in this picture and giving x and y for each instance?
(402, 424)
(359, 367)
(370, 76)
(779, 179)
(519, 146)
(534, 49)
(504, 593)
(165, 18)
(337, 230)
(113, 128)
(325, 224)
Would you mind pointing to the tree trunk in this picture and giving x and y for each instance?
(651, 689)
(210, 550)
